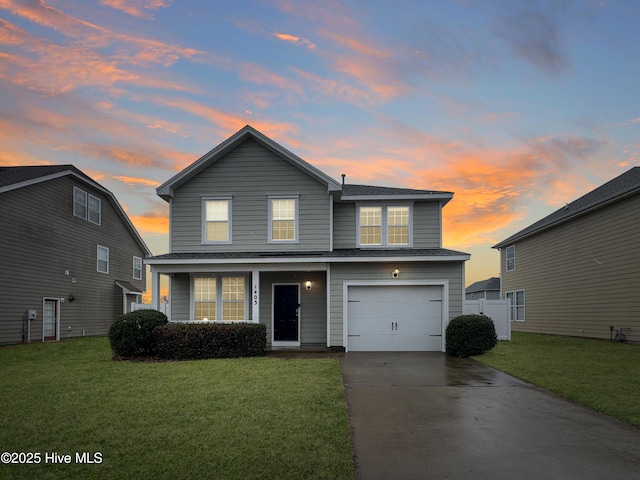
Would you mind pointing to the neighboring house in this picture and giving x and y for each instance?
(577, 271)
(258, 234)
(488, 289)
(70, 259)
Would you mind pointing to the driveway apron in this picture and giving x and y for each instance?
(427, 415)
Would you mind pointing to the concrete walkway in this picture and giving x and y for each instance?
(431, 416)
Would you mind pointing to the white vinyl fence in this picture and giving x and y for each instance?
(498, 310)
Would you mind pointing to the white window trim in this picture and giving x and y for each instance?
(219, 298)
(514, 307)
(229, 240)
(296, 218)
(106, 249)
(384, 229)
(511, 248)
(135, 269)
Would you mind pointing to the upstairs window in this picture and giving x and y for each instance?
(283, 219)
(384, 225)
(80, 203)
(86, 206)
(511, 258)
(216, 220)
(370, 225)
(397, 225)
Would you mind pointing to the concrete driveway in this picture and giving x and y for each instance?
(431, 416)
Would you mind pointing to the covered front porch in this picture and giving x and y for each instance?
(290, 299)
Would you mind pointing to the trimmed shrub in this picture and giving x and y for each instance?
(180, 341)
(132, 334)
(470, 335)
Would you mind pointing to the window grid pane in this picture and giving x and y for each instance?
(205, 310)
(103, 260)
(283, 230)
(233, 291)
(217, 231)
(371, 225)
(398, 236)
(94, 209)
(205, 298)
(217, 210)
(283, 209)
(79, 203)
(205, 289)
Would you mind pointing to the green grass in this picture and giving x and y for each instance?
(602, 375)
(250, 418)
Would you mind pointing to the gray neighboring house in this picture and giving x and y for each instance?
(259, 235)
(71, 261)
(577, 271)
(488, 289)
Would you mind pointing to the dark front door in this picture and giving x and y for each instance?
(285, 313)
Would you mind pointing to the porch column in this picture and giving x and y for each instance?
(255, 296)
(155, 289)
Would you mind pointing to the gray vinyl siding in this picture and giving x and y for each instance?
(426, 224)
(582, 276)
(249, 174)
(453, 272)
(40, 239)
(344, 225)
(180, 297)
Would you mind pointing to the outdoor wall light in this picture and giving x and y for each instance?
(308, 285)
(395, 273)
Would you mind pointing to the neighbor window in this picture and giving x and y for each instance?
(137, 268)
(86, 206)
(220, 297)
(283, 219)
(79, 203)
(216, 220)
(517, 304)
(384, 225)
(103, 259)
(511, 258)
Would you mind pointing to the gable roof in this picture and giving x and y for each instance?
(166, 189)
(368, 192)
(614, 190)
(13, 178)
(492, 283)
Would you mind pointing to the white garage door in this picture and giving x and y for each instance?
(394, 318)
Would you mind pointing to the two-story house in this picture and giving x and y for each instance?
(577, 271)
(71, 261)
(257, 234)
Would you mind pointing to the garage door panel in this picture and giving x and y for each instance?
(394, 318)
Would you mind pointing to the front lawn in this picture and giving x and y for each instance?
(599, 374)
(260, 418)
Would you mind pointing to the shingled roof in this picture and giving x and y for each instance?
(17, 175)
(615, 190)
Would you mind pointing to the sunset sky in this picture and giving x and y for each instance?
(516, 106)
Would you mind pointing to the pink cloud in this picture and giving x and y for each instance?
(136, 8)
